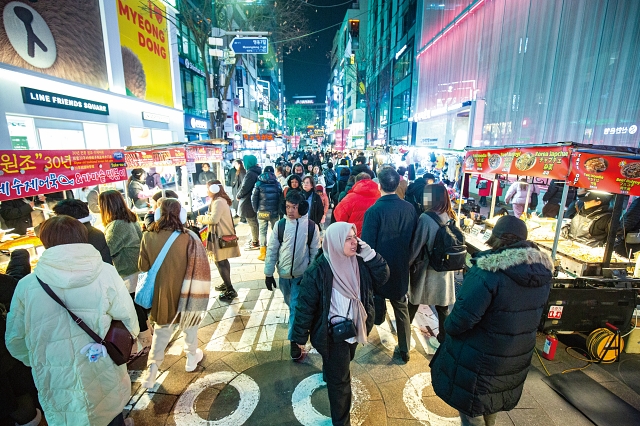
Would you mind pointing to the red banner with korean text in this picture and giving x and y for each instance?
(615, 174)
(155, 158)
(258, 137)
(539, 161)
(341, 139)
(295, 141)
(204, 154)
(29, 173)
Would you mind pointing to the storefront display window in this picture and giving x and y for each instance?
(140, 136)
(43, 133)
(22, 132)
(401, 107)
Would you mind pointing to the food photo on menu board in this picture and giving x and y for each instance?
(606, 173)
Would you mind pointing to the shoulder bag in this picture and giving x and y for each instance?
(226, 241)
(147, 280)
(118, 340)
(343, 330)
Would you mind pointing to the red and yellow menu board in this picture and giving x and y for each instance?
(539, 161)
(608, 173)
(155, 158)
(28, 173)
(204, 154)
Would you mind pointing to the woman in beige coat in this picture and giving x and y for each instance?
(220, 223)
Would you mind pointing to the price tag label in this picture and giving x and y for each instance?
(555, 312)
(475, 231)
(486, 236)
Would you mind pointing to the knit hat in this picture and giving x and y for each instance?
(510, 225)
(249, 161)
(268, 169)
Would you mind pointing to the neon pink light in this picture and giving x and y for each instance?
(453, 24)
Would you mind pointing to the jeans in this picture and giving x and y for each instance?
(486, 420)
(253, 224)
(263, 229)
(335, 366)
(290, 287)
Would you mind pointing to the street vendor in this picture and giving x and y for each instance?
(590, 225)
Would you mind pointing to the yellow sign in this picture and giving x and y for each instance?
(144, 39)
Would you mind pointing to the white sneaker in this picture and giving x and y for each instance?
(193, 360)
(36, 420)
(149, 378)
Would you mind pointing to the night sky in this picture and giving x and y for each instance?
(307, 72)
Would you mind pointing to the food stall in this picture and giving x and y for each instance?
(32, 173)
(579, 268)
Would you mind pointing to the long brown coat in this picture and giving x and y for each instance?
(166, 292)
(220, 216)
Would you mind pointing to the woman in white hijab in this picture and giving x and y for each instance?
(335, 307)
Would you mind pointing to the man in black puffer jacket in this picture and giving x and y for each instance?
(265, 200)
(491, 332)
(360, 167)
(244, 197)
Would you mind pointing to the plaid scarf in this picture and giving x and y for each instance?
(196, 285)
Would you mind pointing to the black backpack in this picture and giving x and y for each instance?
(150, 180)
(312, 228)
(449, 251)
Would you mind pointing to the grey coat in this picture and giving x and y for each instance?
(426, 285)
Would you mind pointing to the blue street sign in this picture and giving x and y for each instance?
(252, 45)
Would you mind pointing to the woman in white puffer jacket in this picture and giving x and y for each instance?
(517, 196)
(40, 333)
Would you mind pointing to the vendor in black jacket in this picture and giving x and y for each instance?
(630, 225)
(481, 367)
(339, 284)
(590, 225)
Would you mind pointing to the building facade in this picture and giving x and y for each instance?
(105, 77)
(510, 72)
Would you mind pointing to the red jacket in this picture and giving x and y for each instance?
(352, 207)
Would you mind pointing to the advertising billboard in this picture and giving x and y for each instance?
(144, 40)
(61, 38)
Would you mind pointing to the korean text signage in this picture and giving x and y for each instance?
(204, 154)
(258, 137)
(55, 100)
(605, 173)
(191, 122)
(144, 38)
(28, 173)
(61, 38)
(155, 158)
(538, 161)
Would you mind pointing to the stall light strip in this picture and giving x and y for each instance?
(457, 20)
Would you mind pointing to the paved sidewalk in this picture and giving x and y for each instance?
(247, 377)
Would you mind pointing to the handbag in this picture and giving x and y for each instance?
(343, 330)
(147, 280)
(226, 241)
(118, 340)
(632, 238)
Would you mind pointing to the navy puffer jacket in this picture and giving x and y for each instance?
(267, 194)
(245, 191)
(491, 331)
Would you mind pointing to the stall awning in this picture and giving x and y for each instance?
(29, 173)
(603, 170)
(545, 161)
(155, 157)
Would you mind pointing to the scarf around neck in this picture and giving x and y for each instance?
(346, 273)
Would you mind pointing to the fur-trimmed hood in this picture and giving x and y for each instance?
(523, 262)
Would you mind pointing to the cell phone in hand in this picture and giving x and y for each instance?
(359, 248)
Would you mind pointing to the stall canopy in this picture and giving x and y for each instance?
(603, 170)
(138, 157)
(29, 173)
(544, 161)
(203, 154)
